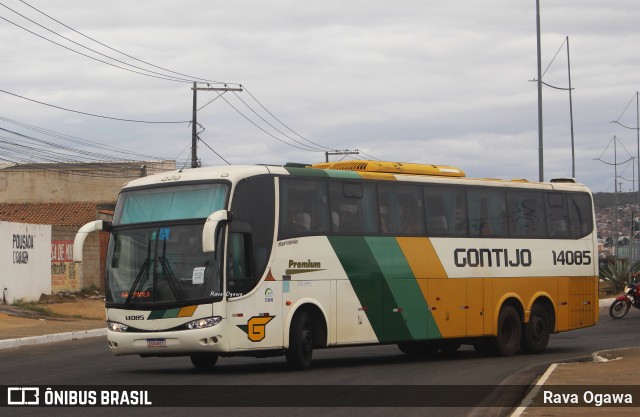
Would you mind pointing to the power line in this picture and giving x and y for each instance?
(89, 56)
(163, 76)
(275, 128)
(219, 156)
(262, 129)
(93, 115)
(120, 52)
(76, 140)
(282, 123)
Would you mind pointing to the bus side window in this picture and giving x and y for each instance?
(526, 213)
(239, 275)
(353, 208)
(487, 212)
(558, 216)
(580, 215)
(304, 208)
(401, 211)
(446, 211)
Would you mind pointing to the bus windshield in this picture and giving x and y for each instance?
(155, 252)
(161, 265)
(170, 203)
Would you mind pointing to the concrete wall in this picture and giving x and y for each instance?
(68, 184)
(25, 261)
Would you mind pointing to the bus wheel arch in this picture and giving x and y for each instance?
(307, 330)
(541, 323)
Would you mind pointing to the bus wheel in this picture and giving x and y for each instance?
(300, 342)
(535, 333)
(204, 361)
(507, 341)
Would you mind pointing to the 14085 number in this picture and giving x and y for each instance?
(568, 257)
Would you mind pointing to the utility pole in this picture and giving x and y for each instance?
(345, 152)
(194, 118)
(573, 152)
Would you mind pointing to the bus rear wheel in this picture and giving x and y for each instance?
(535, 334)
(204, 361)
(300, 349)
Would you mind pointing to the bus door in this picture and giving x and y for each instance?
(254, 307)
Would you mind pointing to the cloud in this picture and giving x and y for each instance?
(412, 81)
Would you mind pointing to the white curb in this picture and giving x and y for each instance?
(49, 338)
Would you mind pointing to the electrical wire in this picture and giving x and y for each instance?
(77, 140)
(219, 156)
(554, 58)
(94, 115)
(91, 57)
(35, 151)
(120, 52)
(625, 109)
(262, 129)
(315, 148)
(282, 123)
(275, 128)
(163, 76)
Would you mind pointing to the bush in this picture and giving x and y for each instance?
(618, 273)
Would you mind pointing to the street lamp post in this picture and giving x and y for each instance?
(540, 140)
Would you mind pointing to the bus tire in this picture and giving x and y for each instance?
(204, 361)
(535, 333)
(507, 341)
(300, 349)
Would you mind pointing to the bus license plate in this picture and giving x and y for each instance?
(156, 342)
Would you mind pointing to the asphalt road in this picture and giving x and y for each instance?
(88, 362)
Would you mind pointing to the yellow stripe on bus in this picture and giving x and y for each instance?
(422, 257)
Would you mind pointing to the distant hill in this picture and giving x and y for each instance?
(604, 200)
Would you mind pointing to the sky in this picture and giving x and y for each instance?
(411, 81)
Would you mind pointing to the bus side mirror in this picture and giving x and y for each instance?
(210, 229)
(78, 242)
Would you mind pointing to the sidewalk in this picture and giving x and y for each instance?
(612, 370)
(79, 319)
(609, 371)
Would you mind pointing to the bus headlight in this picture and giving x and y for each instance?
(117, 327)
(203, 323)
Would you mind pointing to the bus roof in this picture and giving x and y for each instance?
(366, 170)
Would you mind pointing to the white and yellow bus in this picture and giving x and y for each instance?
(264, 260)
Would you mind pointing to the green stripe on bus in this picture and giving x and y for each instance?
(385, 285)
(164, 314)
(365, 277)
(406, 298)
(334, 173)
(307, 172)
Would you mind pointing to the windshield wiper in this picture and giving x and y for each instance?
(143, 269)
(167, 272)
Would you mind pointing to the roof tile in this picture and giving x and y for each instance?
(56, 214)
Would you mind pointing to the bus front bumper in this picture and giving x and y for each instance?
(166, 343)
